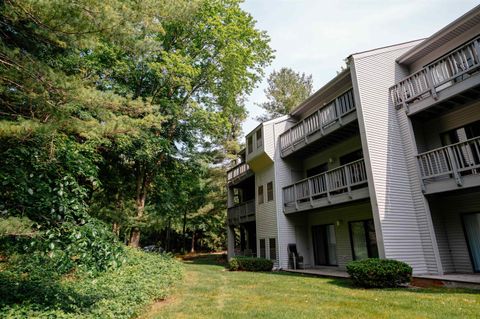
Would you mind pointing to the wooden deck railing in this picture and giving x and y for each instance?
(451, 161)
(237, 171)
(330, 183)
(319, 120)
(437, 75)
(243, 212)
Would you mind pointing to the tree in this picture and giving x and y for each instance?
(286, 90)
(102, 100)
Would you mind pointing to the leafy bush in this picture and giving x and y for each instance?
(379, 273)
(249, 264)
(120, 293)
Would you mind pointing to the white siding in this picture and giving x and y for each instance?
(400, 211)
(285, 174)
(265, 217)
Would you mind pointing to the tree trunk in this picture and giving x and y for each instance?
(167, 239)
(116, 229)
(192, 250)
(141, 196)
(184, 232)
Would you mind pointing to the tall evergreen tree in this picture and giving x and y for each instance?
(286, 90)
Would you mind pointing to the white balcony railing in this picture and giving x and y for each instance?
(318, 121)
(340, 180)
(438, 75)
(243, 212)
(452, 161)
(237, 171)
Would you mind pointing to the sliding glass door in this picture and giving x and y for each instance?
(363, 239)
(324, 245)
(471, 224)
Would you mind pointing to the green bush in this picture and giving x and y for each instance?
(379, 273)
(249, 264)
(120, 293)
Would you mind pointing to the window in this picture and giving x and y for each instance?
(259, 138)
(363, 239)
(262, 248)
(269, 191)
(249, 144)
(260, 194)
(273, 249)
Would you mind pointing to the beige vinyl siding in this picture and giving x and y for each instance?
(447, 210)
(401, 216)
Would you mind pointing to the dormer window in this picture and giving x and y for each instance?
(259, 138)
(249, 144)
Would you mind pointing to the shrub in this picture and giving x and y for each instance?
(249, 264)
(379, 273)
(120, 293)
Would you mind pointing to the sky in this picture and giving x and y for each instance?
(315, 36)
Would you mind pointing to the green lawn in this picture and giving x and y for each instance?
(209, 291)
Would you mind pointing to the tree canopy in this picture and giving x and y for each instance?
(286, 90)
(104, 102)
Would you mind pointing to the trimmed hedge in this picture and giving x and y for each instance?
(249, 264)
(379, 273)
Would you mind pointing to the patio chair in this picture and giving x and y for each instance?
(294, 259)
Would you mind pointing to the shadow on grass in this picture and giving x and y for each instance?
(41, 292)
(219, 260)
(348, 284)
(206, 259)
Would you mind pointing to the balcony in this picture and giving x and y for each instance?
(241, 213)
(451, 167)
(452, 74)
(340, 185)
(238, 173)
(326, 120)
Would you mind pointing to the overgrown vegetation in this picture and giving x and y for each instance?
(249, 264)
(39, 292)
(379, 273)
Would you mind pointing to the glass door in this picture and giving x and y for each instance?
(363, 239)
(324, 245)
(471, 223)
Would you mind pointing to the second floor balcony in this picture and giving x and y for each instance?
(324, 121)
(241, 213)
(238, 173)
(339, 185)
(452, 74)
(450, 167)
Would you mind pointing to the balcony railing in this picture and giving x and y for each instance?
(237, 172)
(341, 180)
(318, 121)
(453, 161)
(241, 213)
(438, 75)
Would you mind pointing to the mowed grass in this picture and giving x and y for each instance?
(209, 291)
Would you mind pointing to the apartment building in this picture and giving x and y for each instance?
(383, 161)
